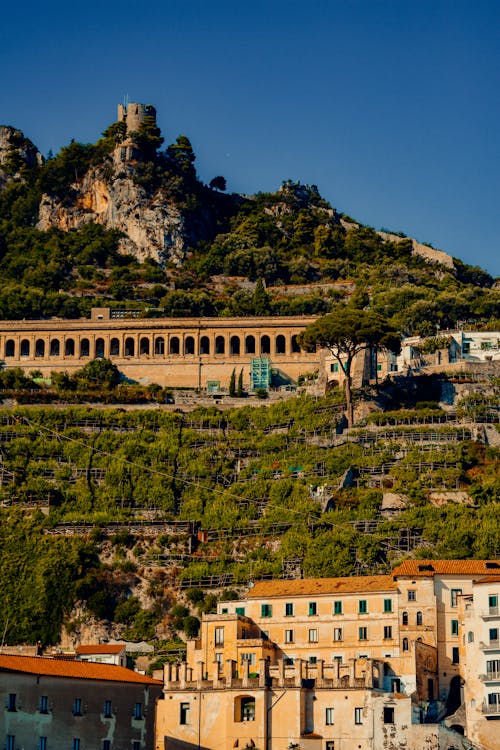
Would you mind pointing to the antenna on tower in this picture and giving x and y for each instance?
(125, 101)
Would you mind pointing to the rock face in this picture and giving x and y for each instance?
(152, 226)
(15, 151)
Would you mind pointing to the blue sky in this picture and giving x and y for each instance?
(391, 107)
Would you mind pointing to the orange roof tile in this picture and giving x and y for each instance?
(100, 648)
(317, 586)
(83, 670)
(430, 568)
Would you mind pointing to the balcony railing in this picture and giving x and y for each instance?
(491, 709)
(490, 677)
(490, 645)
(490, 612)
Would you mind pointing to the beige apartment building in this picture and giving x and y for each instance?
(327, 664)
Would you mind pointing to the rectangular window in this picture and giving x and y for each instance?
(11, 702)
(329, 717)
(313, 635)
(363, 636)
(224, 611)
(106, 745)
(330, 745)
(387, 632)
(42, 743)
(337, 634)
(137, 710)
(288, 636)
(107, 709)
(11, 741)
(313, 660)
(219, 658)
(44, 704)
(493, 604)
(219, 636)
(362, 607)
(240, 611)
(313, 609)
(337, 608)
(493, 635)
(77, 707)
(136, 745)
(387, 605)
(289, 609)
(184, 714)
(75, 744)
(412, 595)
(266, 610)
(454, 627)
(250, 658)
(358, 715)
(388, 715)
(334, 367)
(455, 655)
(455, 593)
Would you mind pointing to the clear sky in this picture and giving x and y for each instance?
(391, 107)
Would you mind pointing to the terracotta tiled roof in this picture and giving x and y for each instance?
(430, 568)
(316, 586)
(100, 648)
(83, 670)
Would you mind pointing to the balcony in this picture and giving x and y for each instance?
(490, 677)
(490, 613)
(491, 709)
(490, 646)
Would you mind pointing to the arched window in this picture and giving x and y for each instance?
(55, 348)
(250, 345)
(220, 345)
(10, 348)
(129, 347)
(114, 347)
(265, 345)
(99, 348)
(144, 346)
(244, 708)
(204, 345)
(160, 345)
(470, 636)
(404, 618)
(174, 345)
(189, 345)
(69, 348)
(405, 644)
(419, 618)
(84, 348)
(40, 348)
(25, 348)
(295, 345)
(280, 344)
(234, 345)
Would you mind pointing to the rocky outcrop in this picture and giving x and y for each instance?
(16, 151)
(430, 254)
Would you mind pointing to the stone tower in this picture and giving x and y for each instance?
(132, 114)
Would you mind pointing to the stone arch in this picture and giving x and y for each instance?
(99, 348)
(404, 618)
(144, 346)
(25, 348)
(406, 644)
(265, 344)
(159, 345)
(40, 348)
(280, 344)
(234, 345)
(69, 348)
(295, 346)
(129, 350)
(55, 348)
(174, 347)
(114, 347)
(84, 348)
(10, 348)
(204, 345)
(220, 345)
(189, 345)
(419, 618)
(250, 344)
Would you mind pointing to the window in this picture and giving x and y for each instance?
(219, 658)
(106, 745)
(219, 636)
(455, 593)
(362, 607)
(250, 658)
(77, 707)
(455, 658)
(107, 709)
(454, 627)
(358, 715)
(387, 605)
(136, 745)
(470, 636)
(11, 702)
(329, 717)
(42, 743)
(337, 608)
(313, 635)
(493, 604)
(313, 609)
(137, 710)
(363, 634)
(419, 618)
(288, 636)
(404, 618)
(334, 367)
(388, 715)
(493, 666)
(387, 632)
(493, 635)
(330, 745)
(405, 644)
(224, 611)
(43, 706)
(247, 709)
(266, 610)
(289, 609)
(75, 744)
(412, 595)
(337, 634)
(313, 660)
(184, 713)
(11, 741)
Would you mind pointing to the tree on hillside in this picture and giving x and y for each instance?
(218, 183)
(345, 333)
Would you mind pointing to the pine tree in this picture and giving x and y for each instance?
(260, 299)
